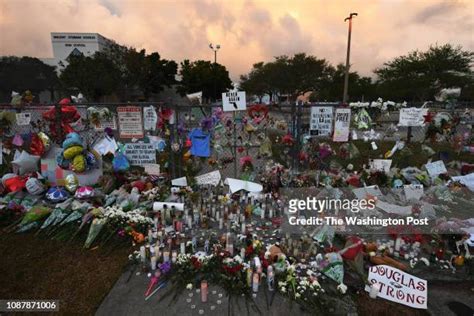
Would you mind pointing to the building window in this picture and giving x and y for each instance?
(67, 45)
(59, 36)
(74, 37)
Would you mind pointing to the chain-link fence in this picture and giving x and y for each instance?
(237, 137)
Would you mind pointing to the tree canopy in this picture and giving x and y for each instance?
(201, 75)
(418, 76)
(26, 73)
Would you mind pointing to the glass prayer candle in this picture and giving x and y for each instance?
(255, 282)
(204, 291)
(166, 256)
(174, 256)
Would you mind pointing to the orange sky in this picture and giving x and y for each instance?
(248, 31)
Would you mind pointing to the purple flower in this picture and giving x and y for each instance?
(206, 123)
(165, 267)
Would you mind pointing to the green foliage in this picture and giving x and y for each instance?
(288, 76)
(201, 75)
(119, 70)
(26, 73)
(418, 76)
(95, 76)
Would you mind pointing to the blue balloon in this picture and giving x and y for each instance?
(72, 139)
(57, 194)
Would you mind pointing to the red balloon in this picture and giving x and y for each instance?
(36, 146)
(16, 184)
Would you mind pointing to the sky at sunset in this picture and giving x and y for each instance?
(248, 31)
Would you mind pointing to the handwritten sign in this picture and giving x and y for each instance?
(321, 120)
(150, 118)
(234, 101)
(23, 118)
(212, 178)
(380, 164)
(400, 287)
(130, 121)
(412, 117)
(341, 125)
(436, 168)
(140, 154)
(152, 168)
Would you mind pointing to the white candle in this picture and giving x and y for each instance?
(221, 223)
(255, 282)
(142, 254)
(374, 290)
(174, 256)
(262, 213)
(157, 251)
(243, 228)
(166, 256)
(183, 248)
(398, 244)
(242, 253)
(270, 278)
(270, 214)
(153, 263)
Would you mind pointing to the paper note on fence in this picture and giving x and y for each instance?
(412, 117)
(23, 118)
(152, 169)
(342, 121)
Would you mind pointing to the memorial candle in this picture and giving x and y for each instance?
(166, 256)
(204, 291)
(174, 256)
(183, 248)
(255, 282)
(153, 263)
(142, 254)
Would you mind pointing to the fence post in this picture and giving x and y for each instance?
(59, 128)
(409, 134)
(235, 145)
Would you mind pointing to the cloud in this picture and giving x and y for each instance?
(248, 31)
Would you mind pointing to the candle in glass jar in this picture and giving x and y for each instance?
(255, 282)
(153, 263)
(166, 256)
(221, 223)
(270, 278)
(183, 248)
(204, 291)
(142, 254)
(242, 253)
(243, 228)
(174, 256)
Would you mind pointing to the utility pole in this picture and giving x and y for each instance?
(345, 97)
(215, 49)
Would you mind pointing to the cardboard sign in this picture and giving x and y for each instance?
(234, 101)
(236, 185)
(412, 117)
(130, 121)
(23, 118)
(150, 118)
(398, 286)
(321, 120)
(342, 122)
(212, 178)
(380, 164)
(436, 168)
(104, 123)
(152, 168)
(140, 154)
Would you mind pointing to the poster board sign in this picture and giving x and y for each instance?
(398, 286)
(150, 118)
(140, 154)
(23, 119)
(321, 120)
(107, 123)
(180, 182)
(212, 178)
(412, 116)
(234, 101)
(342, 121)
(436, 168)
(130, 121)
(380, 164)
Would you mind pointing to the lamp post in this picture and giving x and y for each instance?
(215, 49)
(345, 97)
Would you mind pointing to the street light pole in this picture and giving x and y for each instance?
(215, 49)
(346, 75)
